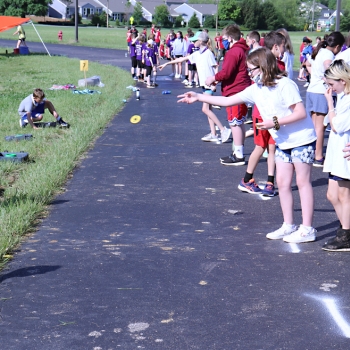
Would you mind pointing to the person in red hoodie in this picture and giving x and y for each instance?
(234, 79)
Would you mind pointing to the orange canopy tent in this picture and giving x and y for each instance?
(8, 22)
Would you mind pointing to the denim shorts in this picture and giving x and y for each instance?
(316, 103)
(301, 154)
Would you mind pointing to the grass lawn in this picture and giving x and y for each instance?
(27, 188)
(114, 38)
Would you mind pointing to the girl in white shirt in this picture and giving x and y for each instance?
(316, 104)
(338, 80)
(288, 56)
(284, 115)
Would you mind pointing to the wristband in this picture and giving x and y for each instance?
(275, 121)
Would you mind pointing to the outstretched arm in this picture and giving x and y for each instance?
(177, 60)
(191, 97)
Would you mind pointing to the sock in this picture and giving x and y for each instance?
(271, 178)
(186, 77)
(247, 177)
(239, 151)
(308, 228)
(58, 118)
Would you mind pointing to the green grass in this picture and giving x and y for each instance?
(28, 187)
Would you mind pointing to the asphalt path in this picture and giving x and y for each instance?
(152, 246)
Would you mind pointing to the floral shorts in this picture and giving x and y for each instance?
(301, 154)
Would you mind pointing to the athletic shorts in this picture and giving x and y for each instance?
(336, 178)
(192, 67)
(236, 114)
(316, 103)
(262, 138)
(178, 56)
(148, 70)
(140, 64)
(301, 154)
(133, 62)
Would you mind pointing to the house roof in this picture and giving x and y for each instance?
(151, 5)
(205, 9)
(117, 6)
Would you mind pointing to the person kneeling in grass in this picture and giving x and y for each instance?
(284, 116)
(32, 108)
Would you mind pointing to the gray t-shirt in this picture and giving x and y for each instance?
(27, 104)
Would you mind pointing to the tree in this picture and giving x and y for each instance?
(161, 15)
(72, 20)
(228, 10)
(21, 8)
(251, 12)
(209, 22)
(178, 20)
(345, 22)
(194, 21)
(138, 12)
(269, 17)
(99, 19)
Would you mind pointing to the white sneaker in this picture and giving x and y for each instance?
(225, 134)
(210, 138)
(185, 81)
(171, 75)
(177, 76)
(23, 123)
(302, 235)
(284, 230)
(306, 84)
(216, 107)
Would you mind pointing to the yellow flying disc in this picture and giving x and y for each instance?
(135, 119)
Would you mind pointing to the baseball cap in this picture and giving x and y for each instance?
(203, 36)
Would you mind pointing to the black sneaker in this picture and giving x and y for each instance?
(340, 243)
(233, 160)
(225, 158)
(62, 124)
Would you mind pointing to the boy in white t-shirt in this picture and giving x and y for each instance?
(206, 64)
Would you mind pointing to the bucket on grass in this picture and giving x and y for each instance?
(16, 51)
(23, 50)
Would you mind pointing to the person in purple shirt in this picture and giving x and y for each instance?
(148, 60)
(170, 43)
(192, 69)
(133, 56)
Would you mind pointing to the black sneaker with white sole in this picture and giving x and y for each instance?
(233, 160)
(62, 123)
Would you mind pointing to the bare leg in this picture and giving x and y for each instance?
(254, 159)
(317, 119)
(212, 118)
(271, 164)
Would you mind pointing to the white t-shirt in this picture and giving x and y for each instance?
(317, 71)
(335, 162)
(205, 62)
(344, 55)
(276, 101)
(288, 60)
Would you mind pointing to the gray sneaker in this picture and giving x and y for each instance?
(210, 138)
(225, 134)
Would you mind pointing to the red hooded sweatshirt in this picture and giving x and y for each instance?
(233, 75)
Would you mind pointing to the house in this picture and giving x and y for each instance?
(117, 9)
(201, 10)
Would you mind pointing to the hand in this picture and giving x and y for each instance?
(267, 124)
(209, 80)
(188, 97)
(346, 150)
(162, 66)
(329, 95)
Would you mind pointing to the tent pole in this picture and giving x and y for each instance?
(40, 38)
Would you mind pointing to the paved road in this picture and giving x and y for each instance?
(153, 247)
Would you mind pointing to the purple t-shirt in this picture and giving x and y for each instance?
(148, 55)
(170, 44)
(155, 52)
(190, 50)
(132, 50)
(138, 50)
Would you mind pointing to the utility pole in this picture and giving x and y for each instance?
(313, 15)
(107, 13)
(76, 21)
(337, 23)
(217, 14)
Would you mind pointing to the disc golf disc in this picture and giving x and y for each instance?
(135, 119)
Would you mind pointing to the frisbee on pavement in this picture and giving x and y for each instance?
(135, 119)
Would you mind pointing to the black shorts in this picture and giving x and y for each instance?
(133, 62)
(178, 56)
(192, 67)
(140, 64)
(148, 70)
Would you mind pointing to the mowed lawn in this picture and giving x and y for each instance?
(26, 188)
(115, 38)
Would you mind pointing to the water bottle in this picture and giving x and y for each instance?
(166, 92)
(137, 94)
(126, 54)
